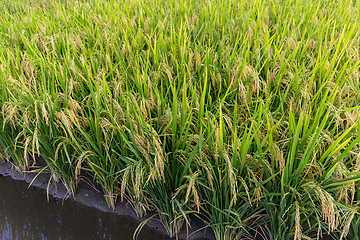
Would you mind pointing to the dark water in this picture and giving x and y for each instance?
(26, 214)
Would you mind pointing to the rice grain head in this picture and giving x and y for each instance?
(298, 232)
(347, 224)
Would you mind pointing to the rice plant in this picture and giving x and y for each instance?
(243, 113)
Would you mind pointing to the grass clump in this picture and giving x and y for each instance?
(244, 113)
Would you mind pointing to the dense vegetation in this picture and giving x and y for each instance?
(244, 113)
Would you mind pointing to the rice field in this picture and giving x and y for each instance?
(242, 113)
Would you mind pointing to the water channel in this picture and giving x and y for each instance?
(25, 213)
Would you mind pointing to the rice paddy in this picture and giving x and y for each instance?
(242, 113)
